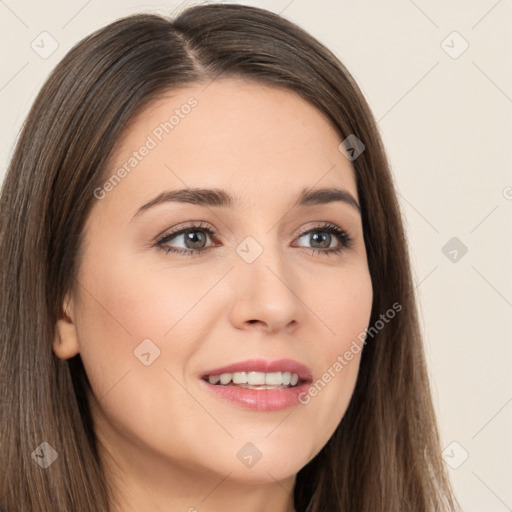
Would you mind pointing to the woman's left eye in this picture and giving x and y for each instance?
(195, 239)
(323, 236)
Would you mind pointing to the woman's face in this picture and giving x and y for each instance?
(264, 279)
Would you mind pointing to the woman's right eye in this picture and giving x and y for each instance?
(193, 237)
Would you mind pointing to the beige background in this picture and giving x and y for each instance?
(447, 126)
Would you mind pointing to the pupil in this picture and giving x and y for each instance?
(323, 237)
(194, 239)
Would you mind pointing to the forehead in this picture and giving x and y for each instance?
(245, 136)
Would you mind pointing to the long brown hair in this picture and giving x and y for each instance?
(385, 453)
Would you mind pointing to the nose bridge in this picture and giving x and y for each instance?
(263, 259)
(264, 288)
(264, 283)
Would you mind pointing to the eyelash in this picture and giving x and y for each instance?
(343, 237)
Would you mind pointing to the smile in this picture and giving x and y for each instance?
(250, 384)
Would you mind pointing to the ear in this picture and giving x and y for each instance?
(65, 343)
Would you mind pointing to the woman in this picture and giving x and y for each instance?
(206, 293)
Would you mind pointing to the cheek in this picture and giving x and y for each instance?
(125, 312)
(344, 311)
(342, 304)
(127, 301)
(142, 322)
(137, 332)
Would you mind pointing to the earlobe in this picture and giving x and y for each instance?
(65, 343)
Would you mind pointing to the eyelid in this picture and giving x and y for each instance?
(182, 229)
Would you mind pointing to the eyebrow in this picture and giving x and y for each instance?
(214, 197)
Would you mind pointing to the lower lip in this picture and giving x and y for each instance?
(259, 399)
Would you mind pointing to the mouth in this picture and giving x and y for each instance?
(259, 384)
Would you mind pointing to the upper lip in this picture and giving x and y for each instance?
(266, 366)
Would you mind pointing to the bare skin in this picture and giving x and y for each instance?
(168, 442)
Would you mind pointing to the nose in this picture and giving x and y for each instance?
(266, 294)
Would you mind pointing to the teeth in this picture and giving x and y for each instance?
(273, 379)
(225, 378)
(256, 378)
(214, 379)
(249, 379)
(239, 378)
